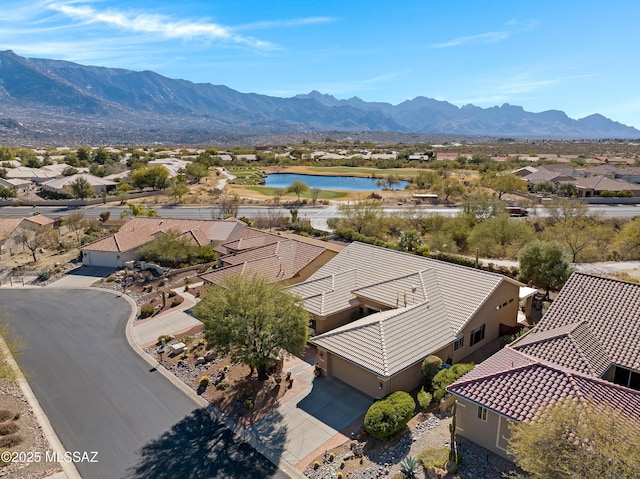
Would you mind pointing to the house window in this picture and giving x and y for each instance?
(477, 335)
(482, 413)
(459, 343)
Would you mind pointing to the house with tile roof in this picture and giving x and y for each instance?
(378, 313)
(118, 248)
(11, 230)
(586, 347)
(287, 259)
(596, 185)
(63, 185)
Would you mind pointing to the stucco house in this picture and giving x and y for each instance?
(63, 185)
(285, 259)
(378, 313)
(11, 230)
(118, 248)
(586, 347)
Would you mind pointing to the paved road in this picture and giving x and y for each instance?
(101, 396)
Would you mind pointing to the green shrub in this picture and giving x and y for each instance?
(449, 376)
(44, 275)
(434, 457)
(424, 399)
(452, 258)
(203, 381)
(390, 415)
(111, 279)
(146, 311)
(166, 338)
(5, 415)
(430, 367)
(222, 385)
(172, 294)
(9, 428)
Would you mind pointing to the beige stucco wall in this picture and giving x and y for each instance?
(331, 322)
(355, 376)
(491, 317)
(491, 434)
(108, 258)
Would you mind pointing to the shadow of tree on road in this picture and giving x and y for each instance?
(201, 447)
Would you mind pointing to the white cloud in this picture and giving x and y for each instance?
(294, 22)
(489, 37)
(157, 24)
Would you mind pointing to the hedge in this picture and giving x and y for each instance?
(449, 376)
(390, 415)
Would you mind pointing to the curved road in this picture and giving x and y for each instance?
(101, 396)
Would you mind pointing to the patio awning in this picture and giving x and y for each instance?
(525, 292)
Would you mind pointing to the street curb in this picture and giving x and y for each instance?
(68, 468)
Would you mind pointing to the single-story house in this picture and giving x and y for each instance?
(63, 185)
(378, 313)
(21, 185)
(596, 185)
(37, 175)
(287, 259)
(11, 230)
(587, 345)
(10, 242)
(118, 248)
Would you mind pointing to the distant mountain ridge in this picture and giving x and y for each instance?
(59, 94)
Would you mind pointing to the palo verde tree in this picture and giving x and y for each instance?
(297, 187)
(253, 320)
(577, 439)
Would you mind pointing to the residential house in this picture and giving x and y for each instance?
(586, 347)
(11, 230)
(596, 185)
(10, 241)
(287, 259)
(63, 185)
(21, 185)
(118, 248)
(37, 175)
(378, 313)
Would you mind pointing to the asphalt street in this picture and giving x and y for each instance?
(101, 396)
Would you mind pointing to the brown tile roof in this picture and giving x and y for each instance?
(610, 308)
(521, 389)
(603, 183)
(139, 231)
(8, 226)
(279, 261)
(240, 240)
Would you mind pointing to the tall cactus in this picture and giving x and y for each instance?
(453, 453)
(164, 299)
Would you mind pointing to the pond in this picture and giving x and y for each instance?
(349, 183)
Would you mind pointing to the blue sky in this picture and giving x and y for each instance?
(579, 56)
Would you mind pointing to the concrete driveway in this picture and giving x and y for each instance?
(82, 277)
(310, 423)
(99, 395)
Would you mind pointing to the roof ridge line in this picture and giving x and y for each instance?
(383, 349)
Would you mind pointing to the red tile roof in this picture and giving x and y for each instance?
(610, 308)
(521, 389)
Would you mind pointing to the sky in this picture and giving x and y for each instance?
(578, 56)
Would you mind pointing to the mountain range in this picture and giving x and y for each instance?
(59, 100)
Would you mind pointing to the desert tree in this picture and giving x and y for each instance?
(298, 188)
(81, 188)
(574, 439)
(37, 240)
(254, 321)
(545, 264)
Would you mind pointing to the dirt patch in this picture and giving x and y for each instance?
(28, 459)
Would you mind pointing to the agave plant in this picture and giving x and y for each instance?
(410, 466)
